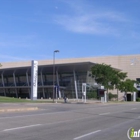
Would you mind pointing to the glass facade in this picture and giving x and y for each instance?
(18, 83)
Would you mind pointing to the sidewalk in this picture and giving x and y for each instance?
(83, 102)
(61, 101)
(17, 107)
(7, 107)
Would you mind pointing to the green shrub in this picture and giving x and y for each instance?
(92, 94)
(111, 96)
(138, 99)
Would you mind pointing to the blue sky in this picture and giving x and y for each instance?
(33, 29)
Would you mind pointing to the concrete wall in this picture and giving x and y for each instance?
(121, 62)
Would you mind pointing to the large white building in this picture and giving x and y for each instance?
(15, 79)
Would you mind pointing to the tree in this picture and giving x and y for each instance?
(107, 76)
(127, 86)
(117, 79)
(104, 75)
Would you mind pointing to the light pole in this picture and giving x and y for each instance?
(56, 51)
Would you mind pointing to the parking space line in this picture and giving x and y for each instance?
(86, 135)
(16, 128)
(133, 108)
(105, 113)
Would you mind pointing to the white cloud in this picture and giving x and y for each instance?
(85, 24)
(85, 20)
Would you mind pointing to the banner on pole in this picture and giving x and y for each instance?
(34, 79)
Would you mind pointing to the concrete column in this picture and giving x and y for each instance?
(134, 96)
(14, 78)
(105, 96)
(75, 83)
(57, 78)
(134, 93)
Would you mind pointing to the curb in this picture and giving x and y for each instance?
(19, 109)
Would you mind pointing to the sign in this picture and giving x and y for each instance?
(84, 88)
(102, 87)
(84, 91)
(133, 134)
(34, 79)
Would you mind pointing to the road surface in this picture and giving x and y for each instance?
(71, 122)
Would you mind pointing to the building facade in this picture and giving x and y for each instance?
(15, 79)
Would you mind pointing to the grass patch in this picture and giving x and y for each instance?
(16, 100)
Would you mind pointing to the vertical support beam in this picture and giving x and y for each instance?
(27, 78)
(42, 83)
(105, 96)
(134, 96)
(34, 79)
(18, 79)
(45, 79)
(3, 83)
(2, 80)
(57, 76)
(84, 91)
(53, 75)
(134, 93)
(14, 78)
(75, 83)
(7, 81)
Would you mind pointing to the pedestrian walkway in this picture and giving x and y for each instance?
(82, 101)
(15, 107)
(11, 107)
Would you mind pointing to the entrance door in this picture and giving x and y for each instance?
(129, 97)
(138, 94)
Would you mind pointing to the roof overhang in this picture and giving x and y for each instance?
(61, 68)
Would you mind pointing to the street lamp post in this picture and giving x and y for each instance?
(56, 51)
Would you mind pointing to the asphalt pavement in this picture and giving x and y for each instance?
(95, 121)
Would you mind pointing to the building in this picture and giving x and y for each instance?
(15, 79)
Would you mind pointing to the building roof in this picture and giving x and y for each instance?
(48, 68)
